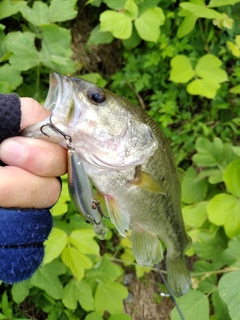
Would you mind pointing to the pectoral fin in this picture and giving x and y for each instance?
(119, 216)
(145, 181)
(146, 247)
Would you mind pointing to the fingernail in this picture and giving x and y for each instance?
(12, 152)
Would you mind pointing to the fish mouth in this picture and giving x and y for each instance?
(60, 94)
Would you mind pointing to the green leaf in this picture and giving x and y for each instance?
(219, 3)
(95, 78)
(233, 48)
(55, 244)
(211, 247)
(209, 153)
(38, 15)
(201, 11)
(235, 89)
(46, 278)
(229, 292)
(56, 53)
(109, 297)
(231, 177)
(105, 271)
(25, 55)
(119, 316)
(181, 69)
(207, 282)
(61, 207)
(232, 253)
(131, 9)
(220, 308)
(76, 261)
(93, 316)
(193, 303)
(187, 25)
(195, 215)
(203, 88)
(20, 291)
(115, 4)
(99, 37)
(76, 291)
(193, 189)
(133, 41)
(10, 78)
(147, 25)
(62, 10)
(208, 69)
(223, 209)
(9, 8)
(117, 23)
(83, 239)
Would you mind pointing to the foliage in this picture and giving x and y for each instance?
(180, 62)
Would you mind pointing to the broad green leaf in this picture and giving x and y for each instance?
(209, 153)
(208, 69)
(220, 308)
(9, 8)
(46, 278)
(228, 288)
(10, 78)
(223, 209)
(38, 15)
(211, 247)
(99, 37)
(117, 23)
(181, 69)
(105, 271)
(25, 55)
(231, 177)
(119, 316)
(147, 25)
(237, 39)
(195, 215)
(236, 150)
(55, 244)
(187, 25)
(61, 207)
(95, 78)
(115, 4)
(193, 189)
(194, 304)
(133, 41)
(235, 89)
(76, 261)
(219, 3)
(62, 10)
(76, 291)
(93, 316)
(56, 53)
(20, 291)
(214, 175)
(83, 239)
(109, 297)
(207, 282)
(145, 5)
(203, 88)
(131, 9)
(232, 253)
(201, 11)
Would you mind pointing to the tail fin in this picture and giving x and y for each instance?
(178, 276)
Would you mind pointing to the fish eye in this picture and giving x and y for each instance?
(96, 95)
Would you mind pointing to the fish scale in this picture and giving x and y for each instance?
(129, 160)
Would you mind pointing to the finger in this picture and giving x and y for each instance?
(22, 189)
(37, 156)
(32, 112)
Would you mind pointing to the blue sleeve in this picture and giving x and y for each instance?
(22, 231)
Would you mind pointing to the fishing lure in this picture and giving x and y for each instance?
(80, 188)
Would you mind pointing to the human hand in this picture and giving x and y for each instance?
(29, 179)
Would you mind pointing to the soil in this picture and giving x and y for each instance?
(144, 301)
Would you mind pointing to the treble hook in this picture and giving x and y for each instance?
(96, 205)
(52, 126)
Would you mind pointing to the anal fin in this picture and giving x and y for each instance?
(146, 247)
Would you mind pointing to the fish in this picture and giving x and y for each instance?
(129, 160)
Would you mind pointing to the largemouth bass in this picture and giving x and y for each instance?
(129, 161)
